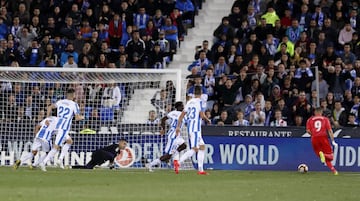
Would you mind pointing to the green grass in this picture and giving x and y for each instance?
(139, 185)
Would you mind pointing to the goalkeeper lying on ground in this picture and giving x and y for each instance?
(104, 154)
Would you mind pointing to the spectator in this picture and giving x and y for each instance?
(352, 121)
(33, 54)
(336, 77)
(153, 119)
(115, 31)
(224, 29)
(68, 30)
(338, 22)
(203, 48)
(330, 32)
(200, 64)
(171, 34)
(313, 31)
(278, 121)
(260, 74)
(221, 67)
(251, 17)
(270, 16)
(293, 32)
(339, 117)
(102, 61)
(345, 34)
(227, 90)
(187, 10)
(68, 51)
(141, 18)
(111, 97)
(23, 13)
(156, 57)
(302, 107)
(122, 62)
(269, 113)
(161, 103)
(303, 77)
(257, 117)
(135, 48)
(303, 19)
(224, 119)
(70, 62)
(240, 121)
(354, 19)
(347, 56)
(323, 86)
(25, 37)
(235, 17)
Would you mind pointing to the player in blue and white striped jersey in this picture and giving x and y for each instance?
(43, 134)
(66, 110)
(194, 111)
(175, 144)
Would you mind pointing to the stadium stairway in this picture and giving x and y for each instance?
(139, 106)
(206, 22)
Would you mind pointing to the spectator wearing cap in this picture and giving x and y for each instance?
(345, 34)
(303, 77)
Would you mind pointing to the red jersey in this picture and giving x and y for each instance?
(318, 126)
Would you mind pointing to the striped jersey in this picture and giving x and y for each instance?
(66, 109)
(46, 131)
(193, 108)
(173, 118)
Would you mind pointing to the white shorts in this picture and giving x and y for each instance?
(173, 143)
(61, 137)
(196, 140)
(39, 143)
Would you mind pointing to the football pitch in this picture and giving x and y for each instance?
(138, 185)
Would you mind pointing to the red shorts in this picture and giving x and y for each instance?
(321, 144)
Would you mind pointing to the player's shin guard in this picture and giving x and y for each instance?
(186, 155)
(64, 151)
(200, 158)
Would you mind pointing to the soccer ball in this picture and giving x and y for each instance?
(303, 168)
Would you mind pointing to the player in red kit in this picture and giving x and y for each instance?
(319, 128)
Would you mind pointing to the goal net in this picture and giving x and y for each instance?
(116, 103)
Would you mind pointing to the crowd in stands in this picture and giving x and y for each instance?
(260, 69)
(85, 34)
(93, 33)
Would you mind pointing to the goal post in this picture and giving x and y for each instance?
(116, 104)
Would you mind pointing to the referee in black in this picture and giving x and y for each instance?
(104, 154)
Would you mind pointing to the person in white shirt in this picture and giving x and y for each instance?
(240, 119)
(278, 122)
(257, 117)
(70, 62)
(111, 96)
